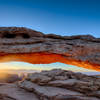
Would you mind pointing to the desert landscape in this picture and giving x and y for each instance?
(49, 49)
(27, 45)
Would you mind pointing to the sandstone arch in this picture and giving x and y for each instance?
(35, 47)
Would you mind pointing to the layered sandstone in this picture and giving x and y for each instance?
(60, 84)
(22, 44)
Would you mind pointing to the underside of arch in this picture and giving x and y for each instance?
(47, 58)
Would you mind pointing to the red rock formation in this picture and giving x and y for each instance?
(46, 58)
(22, 44)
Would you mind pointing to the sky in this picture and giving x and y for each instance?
(62, 17)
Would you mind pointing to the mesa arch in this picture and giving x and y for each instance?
(23, 44)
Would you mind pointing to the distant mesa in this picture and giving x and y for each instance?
(23, 44)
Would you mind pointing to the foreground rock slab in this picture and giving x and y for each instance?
(6, 97)
(60, 84)
(12, 92)
(47, 92)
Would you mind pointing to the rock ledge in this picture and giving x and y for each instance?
(60, 84)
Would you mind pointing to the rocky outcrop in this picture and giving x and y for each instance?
(56, 84)
(12, 92)
(9, 78)
(18, 44)
(60, 84)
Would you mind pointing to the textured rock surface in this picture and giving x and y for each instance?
(20, 43)
(56, 84)
(12, 92)
(74, 86)
(5, 97)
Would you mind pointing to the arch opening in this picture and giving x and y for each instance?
(25, 68)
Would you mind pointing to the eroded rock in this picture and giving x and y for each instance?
(46, 92)
(6, 97)
(69, 88)
(13, 92)
(19, 43)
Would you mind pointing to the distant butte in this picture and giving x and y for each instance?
(23, 44)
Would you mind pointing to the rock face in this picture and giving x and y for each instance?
(18, 44)
(59, 84)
